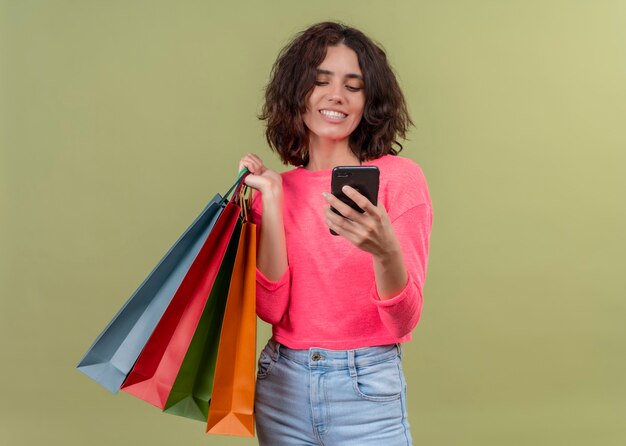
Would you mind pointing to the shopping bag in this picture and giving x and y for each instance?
(231, 411)
(153, 375)
(191, 391)
(112, 355)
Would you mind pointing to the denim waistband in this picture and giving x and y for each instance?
(335, 359)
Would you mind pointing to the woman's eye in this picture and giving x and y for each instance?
(349, 87)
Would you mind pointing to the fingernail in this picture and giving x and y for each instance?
(326, 195)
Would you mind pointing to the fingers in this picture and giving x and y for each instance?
(343, 224)
(361, 200)
(336, 222)
(348, 211)
(253, 163)
(345, 210)
(261, 178)
(250, 163)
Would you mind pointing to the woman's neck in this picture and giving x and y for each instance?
(331, 154)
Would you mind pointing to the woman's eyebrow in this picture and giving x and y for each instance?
(349, 75)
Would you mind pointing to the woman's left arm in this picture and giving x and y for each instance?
(399, 251)
(372, 232)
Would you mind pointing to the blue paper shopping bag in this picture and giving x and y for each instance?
(114, 352)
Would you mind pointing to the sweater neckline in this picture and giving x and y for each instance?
(327, 172)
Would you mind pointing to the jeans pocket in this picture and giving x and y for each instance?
(380, 382)
(265, 364)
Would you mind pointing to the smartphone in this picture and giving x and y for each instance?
(364, 179)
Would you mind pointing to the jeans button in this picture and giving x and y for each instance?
(316, 356)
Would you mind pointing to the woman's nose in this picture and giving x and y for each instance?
(336, 93)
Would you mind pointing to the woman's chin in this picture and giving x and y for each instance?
(331, 136)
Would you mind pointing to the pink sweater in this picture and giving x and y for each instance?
(327, 297)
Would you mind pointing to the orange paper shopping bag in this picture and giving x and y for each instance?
(231, 411)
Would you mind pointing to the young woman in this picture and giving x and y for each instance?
(339, 305)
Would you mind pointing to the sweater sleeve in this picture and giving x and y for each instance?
(401, 313)
(272, 297)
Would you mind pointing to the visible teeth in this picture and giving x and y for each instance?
(333, 114)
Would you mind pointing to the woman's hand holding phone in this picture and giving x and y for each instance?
(370, 231)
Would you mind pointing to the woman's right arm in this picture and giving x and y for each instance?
(271, 246)
(272, 273)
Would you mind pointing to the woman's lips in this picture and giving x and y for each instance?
(333, 116)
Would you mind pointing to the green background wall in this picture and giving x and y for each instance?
(120, 119)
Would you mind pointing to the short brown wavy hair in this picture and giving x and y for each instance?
(385, 114)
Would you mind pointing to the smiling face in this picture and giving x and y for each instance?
(335, 106)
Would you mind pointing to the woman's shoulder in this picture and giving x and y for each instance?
(398, 164)
(294, 173)
(402, 184)
(399, 171)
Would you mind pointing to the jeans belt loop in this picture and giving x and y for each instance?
(351, 363)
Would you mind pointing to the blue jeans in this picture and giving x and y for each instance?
(331, 397)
